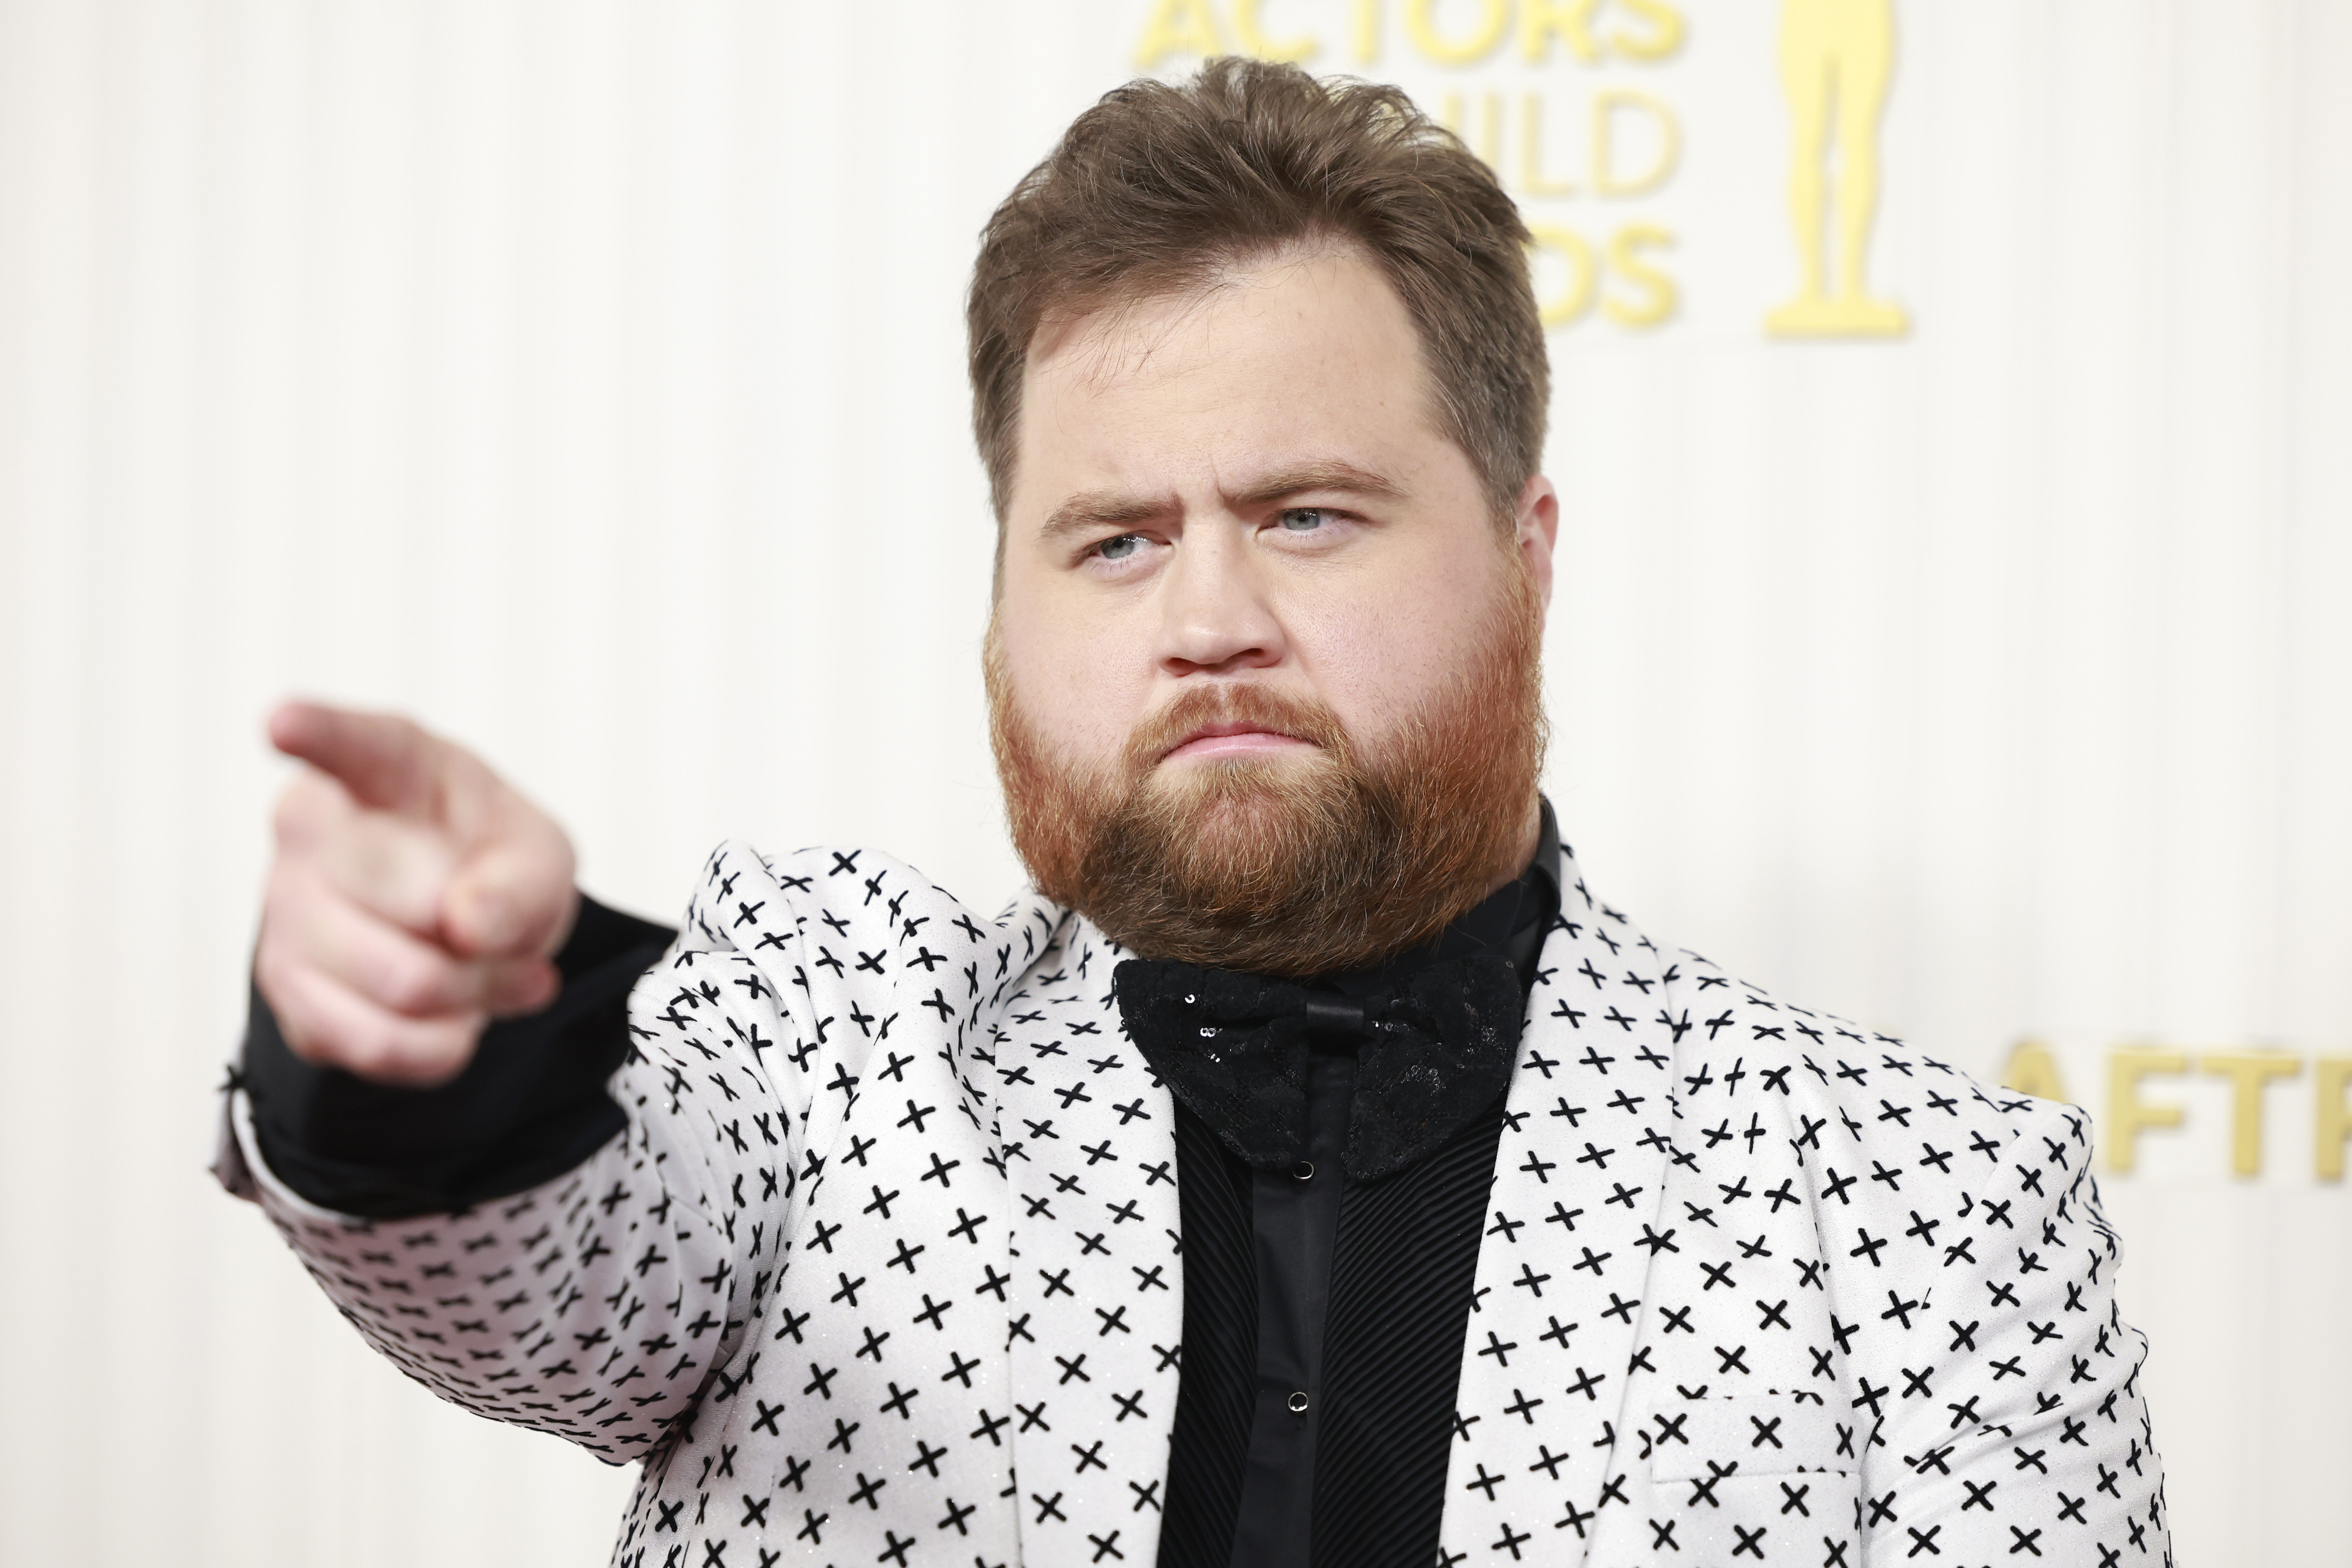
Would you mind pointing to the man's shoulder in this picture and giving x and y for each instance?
(843, 890)
(1874, 1119)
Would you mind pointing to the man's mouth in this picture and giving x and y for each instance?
(1235, 739)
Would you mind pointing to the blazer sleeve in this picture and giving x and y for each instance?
(602, 1301)
(2029, 1440)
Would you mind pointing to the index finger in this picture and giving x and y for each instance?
(384, 761)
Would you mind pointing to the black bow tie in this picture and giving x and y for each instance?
(1436, 1049)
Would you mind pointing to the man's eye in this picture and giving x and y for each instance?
(1119, 549)
(1304, 518)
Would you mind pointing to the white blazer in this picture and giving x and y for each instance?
(886, 1267)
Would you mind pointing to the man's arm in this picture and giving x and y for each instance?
(469, 1195)
(2034, 1438)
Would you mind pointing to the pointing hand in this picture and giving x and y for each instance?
(413, 897)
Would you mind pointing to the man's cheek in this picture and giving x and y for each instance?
(1082, 741)
(1094, 715)
(1381, 667)
(1354, 649)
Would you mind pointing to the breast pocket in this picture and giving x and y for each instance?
(1754, 1478)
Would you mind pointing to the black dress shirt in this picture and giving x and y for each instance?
(1323, 1317)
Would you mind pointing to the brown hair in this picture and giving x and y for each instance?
(1158, 186)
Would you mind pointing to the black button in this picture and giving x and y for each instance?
(1299, 1403)
(1304, 1171)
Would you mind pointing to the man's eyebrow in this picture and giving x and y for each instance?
(1330, 475)
(1100, 509)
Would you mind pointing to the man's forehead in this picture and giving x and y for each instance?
(1227, 309)
(1118, 338)
(1109, 326)
(1292, 376)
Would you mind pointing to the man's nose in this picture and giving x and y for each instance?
(1217, 614)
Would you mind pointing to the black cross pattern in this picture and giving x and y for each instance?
(1757, 1285)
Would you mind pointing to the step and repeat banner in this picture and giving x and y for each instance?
(1949, 421)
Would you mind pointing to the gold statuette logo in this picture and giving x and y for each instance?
(1836, 56)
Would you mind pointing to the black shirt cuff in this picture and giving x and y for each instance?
(528, 1106)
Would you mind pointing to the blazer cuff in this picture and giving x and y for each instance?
(530, 1105)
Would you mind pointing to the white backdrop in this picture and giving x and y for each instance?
(586, 379)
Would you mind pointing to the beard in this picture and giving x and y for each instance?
(1299, 864)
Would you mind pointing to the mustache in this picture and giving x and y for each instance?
(1231, 702)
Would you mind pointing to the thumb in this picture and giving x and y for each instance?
(513, 897)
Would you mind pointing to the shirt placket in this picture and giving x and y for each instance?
(1294, 1219)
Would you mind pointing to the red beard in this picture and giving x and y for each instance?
(1290, 866)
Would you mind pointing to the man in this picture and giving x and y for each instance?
(1311, 1170)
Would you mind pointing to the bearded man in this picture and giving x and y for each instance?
(1310, 1170)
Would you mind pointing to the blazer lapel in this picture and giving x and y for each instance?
(1098, 1287)
(1573, 1226)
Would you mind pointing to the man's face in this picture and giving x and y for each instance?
(1238, 556)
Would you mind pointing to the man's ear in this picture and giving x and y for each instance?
(1536, 529)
